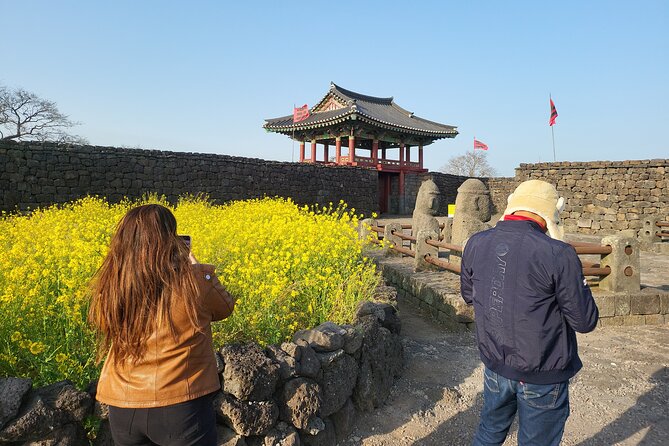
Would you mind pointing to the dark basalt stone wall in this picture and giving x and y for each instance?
(41, 174)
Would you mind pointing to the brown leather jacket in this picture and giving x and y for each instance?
(172, 371)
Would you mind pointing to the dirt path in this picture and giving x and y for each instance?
(620, 397)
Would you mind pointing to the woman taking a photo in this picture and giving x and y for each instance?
(152, 306)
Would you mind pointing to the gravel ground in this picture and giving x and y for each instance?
(621, 396)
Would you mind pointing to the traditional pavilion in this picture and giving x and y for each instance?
(375, 132)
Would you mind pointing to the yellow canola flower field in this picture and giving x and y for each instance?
(290, 268)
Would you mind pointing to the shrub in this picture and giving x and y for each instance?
(290, 267)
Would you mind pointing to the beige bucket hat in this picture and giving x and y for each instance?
(541, 198)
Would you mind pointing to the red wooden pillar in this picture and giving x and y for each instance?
(420, 155)
(338, 149)
(351, 149)
(383, 153)
(301, 151)
(313, 150)
(401, 158)
(408, 154)
(375, 151)
(326, 152)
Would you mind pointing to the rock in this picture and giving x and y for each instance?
(385, 293)
(245, 417)
(35, 420)
(326, 337)
(325, 437)
(308, 365)
(71, 434)
(12, 392)
(65, 397)
(92, 389)
(352, 339)
(248, 373)
(228, 437)
(101, 410)
(220, 364)
(300, 401)
(381, 359)
(282, 435)
(255, 441)
(292, 350)
(328, 358)
(339, 378)
(287, 364)
(343, 420)
(385, 314)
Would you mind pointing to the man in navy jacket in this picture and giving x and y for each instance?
(529, 297)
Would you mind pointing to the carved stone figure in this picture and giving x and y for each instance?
(472, 210)
(427, 206)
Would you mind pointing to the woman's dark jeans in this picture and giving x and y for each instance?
(183, 424)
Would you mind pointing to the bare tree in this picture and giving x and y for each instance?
(26, 117)
(471, 164)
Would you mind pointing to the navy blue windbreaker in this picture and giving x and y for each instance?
(529, 298)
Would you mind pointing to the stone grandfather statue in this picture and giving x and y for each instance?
(427, 206)
(472, 210)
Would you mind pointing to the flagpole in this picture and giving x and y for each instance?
(550, 98)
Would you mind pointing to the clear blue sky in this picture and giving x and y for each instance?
(203, 76)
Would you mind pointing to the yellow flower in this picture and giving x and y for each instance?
(36, 348)
(16, 336)
(61, 357)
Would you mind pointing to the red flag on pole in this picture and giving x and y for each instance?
(300, 113)
(479, 145)
(554, 114)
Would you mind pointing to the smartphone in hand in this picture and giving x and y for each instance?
(186, 240)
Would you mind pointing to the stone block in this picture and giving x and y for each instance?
(616, 321)
(634, 319)
(654, 319)
(624, 263)
(645, 304)
(664, 303)
(622, 304)
(606, 305)
(423, 250)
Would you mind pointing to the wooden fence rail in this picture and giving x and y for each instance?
(589, 268)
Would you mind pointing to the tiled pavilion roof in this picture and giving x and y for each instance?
(340, 105)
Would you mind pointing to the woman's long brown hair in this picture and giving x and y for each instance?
(145, 274)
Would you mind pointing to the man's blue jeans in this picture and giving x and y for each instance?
(542, 411)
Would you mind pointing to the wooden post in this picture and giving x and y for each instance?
(420, 155)
(383, 153)
(313, 150)
(301, 151)
(351, 149)
(375, 151)
(338, 149)
(326, 152)
(401, 154)
(408, 155)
